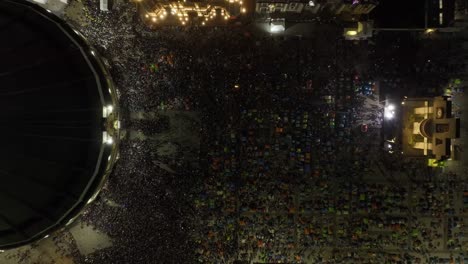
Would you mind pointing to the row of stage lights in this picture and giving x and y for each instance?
(182, 11)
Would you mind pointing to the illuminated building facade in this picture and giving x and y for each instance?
(60, 119)
(429, 128)
(346, 9)
(201, 13)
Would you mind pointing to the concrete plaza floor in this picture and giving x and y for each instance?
(59, 247)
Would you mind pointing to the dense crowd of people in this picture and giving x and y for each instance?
(275, 125)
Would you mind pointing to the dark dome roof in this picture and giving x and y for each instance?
(427, 128)
(52, 93)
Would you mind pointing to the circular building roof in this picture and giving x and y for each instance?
(53, 90)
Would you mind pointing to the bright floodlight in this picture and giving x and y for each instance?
(106, 138)
(311, 3)
(276, 28)
(277, 25)
(389, 114)
(389, 111)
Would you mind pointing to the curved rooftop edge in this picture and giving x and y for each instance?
(426, 127)
(108, 153)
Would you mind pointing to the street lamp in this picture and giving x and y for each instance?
(429, 31)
